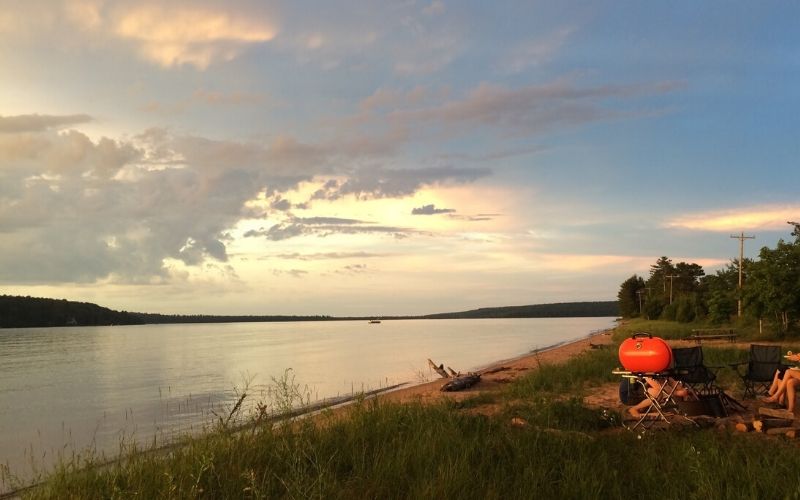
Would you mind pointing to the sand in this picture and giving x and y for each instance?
(494, 376)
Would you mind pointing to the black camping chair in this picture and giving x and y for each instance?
(764, 361)
(688, 368)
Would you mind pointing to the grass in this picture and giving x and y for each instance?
(416, 451)
(566, 450)
(671, 330)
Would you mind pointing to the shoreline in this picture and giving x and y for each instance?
(497, 372)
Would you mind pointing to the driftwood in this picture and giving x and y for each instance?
(438, 369)
(458, 381)
(461, 383)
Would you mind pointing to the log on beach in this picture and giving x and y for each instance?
(438, 369)
(461, 383)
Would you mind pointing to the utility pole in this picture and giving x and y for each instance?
(670, 276)
(741, 239)
(639, 293)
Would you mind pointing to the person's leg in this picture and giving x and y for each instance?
(776, 381)
(778, 394)
(653, 390)
(791, 391)
(637, 410)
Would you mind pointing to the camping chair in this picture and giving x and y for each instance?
(764, 361)
(689, 369)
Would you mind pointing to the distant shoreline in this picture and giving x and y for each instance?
(35, 312)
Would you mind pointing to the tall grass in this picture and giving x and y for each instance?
(415, 451)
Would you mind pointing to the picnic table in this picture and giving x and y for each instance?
(701, 334)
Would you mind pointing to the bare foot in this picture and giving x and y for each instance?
(634, 412)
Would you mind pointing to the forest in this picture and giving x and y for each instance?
(557, 310)
(23, 312)
(682, 292)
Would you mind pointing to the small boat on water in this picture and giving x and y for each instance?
(373, 321)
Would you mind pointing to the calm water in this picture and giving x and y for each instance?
(63, 389)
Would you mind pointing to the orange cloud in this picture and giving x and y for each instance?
(172, 36)
(765, 217)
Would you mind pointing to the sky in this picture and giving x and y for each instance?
(379, 158)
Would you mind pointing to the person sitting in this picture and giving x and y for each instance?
(658, 390)
(784, 386)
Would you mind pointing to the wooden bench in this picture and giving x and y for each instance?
(702, 334)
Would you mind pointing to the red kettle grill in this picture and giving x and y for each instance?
(643, 353)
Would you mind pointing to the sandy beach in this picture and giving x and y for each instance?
(497, 374)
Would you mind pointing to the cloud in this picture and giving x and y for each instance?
(171, 35)
(326, 226)
(379, 182)
(77, 209)
(431, 210)
(333, 221)
(327, 256)
(471, 218)
(763, 217)
(531, 109)
(294, 273)
(352, 269)
(87, 210)
(38, 123)
(281, 204)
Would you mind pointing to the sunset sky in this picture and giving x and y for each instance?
(376, 158)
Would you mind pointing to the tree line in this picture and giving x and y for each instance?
(23, 312)
(557, 310)
(683, 292)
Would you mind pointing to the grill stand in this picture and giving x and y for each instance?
(663, 407)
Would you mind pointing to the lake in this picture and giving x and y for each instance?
(65, 389)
